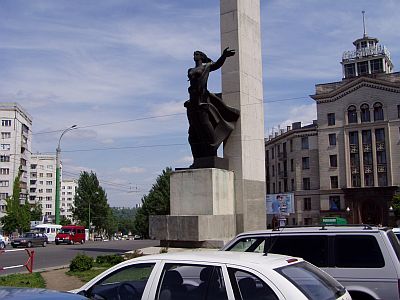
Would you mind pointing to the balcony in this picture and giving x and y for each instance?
(366, 52)
(367, 147)
(380, 146)
(282, 155)
(382, 168)
(353, 148)
(368, 169)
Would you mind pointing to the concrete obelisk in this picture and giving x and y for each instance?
(242, 88)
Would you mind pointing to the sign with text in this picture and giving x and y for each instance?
(280, 204)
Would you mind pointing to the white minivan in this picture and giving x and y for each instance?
(50, 230)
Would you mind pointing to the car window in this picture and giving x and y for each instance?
(311, 248)
(247, 286)
(249, 245)
(185, 281)
(395, 242)
(313, 282)
(125, 283)
(357, 251)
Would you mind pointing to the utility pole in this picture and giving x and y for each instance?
(58, 174)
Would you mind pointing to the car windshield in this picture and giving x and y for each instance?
(29, 235)
(313, 282)
(65, 230)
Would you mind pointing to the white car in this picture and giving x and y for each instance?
(214, 275)
(3, 242)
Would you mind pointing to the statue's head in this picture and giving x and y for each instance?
(200, 55)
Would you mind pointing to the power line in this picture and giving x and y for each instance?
(157, 117)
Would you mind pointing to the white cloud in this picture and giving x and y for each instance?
(132, 170)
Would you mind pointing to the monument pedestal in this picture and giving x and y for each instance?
(202, 210)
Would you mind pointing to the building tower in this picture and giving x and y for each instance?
(15, 145)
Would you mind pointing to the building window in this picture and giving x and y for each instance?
(382, 179)
(4, 146)
(273, 170)
(376, 66)
(49, 198)
(49, 182)
(362, 68)
(5, 158)
(273, 152)
(267, 155)
(334, 203)
(332, 139)
(49, 175)
(306, 183)
(365, 115)
(307, 221)
(4, 171)
(292, 165)
(353, 139)
(3, 196)
(380, 135)
(273, 188)
(352, 114)
(292, 184)
(398, 111)
(307, 203)
(334, 182)
(291, 141)
(369, 179)
(304, 142)
(49, 190)
(279, 187)
(6, 123)
(349, 70)
(6, 135)
(305, 163)
(378, 112)
(333, 161)
(4, 183)
(355, 180)
(331, 119)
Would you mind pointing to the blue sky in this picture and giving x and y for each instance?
(118, 69)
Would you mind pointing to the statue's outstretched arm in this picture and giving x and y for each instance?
(226, 53)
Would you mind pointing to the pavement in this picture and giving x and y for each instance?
(57, 279)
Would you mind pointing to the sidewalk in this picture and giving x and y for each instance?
(58, 280)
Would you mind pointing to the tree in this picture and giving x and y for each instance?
(64, 221)
(396, 205)
(155, 203)
(91, 202)
(125, 218)
(18, 216)
(35, 212)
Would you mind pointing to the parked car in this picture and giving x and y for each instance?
(364, 259)
(3, 242)
(13, 293)
(71, 234)
(214, 275)
(29, 240)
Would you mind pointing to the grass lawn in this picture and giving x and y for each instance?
(34, 280)
(86, 276)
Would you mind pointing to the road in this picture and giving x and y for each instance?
(61, 255)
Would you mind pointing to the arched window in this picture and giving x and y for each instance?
(352, 114)
(365, 115)
(378, 111)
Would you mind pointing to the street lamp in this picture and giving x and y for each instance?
(58, 183)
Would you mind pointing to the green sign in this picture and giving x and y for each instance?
(333, 221)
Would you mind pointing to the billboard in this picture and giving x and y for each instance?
(280, 204)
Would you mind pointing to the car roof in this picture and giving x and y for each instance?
(316, 229)
(237, 258)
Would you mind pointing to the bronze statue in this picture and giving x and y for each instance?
(210, 120)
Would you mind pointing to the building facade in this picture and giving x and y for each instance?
(42, 187)
(15, 150)
(354, 170)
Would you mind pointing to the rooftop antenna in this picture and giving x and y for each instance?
(363, 13)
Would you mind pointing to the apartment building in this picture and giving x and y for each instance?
(352, 166)
(15, 150)
(42, 187)
(68, 190)
(42, 183)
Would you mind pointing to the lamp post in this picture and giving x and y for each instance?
(58, 171)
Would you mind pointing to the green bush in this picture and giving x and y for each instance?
(108, 260)
(81, 262)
